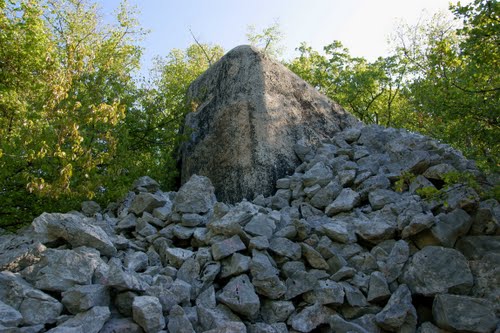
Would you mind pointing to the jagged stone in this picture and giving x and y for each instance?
(285, 247)
(310, 317)
(90, 208)
(392, 267)
(447, 229)
(379, 289)
(145, 184)
(434, 270)
(19, 252)
(313, 257)
(353, 295)
(227, 247)
(399, 315)
(381, 197)
(260, 225)
(327, 292)
(346, 201)
(146, 202)
(82, 298)
(486, 220)
(239, 295)
(90, 321)
(458, 313)
(124, 280)
(338, 231)
(115, 325)
(276, 311)
(62, 269)
(195, 196)
(9, 316)
(235, 265)
(147, 312)
(298, 283)
(74, 230)
(178, 322)
(339, 324)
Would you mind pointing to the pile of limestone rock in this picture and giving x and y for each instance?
(335, 249)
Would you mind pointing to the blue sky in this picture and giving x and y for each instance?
(361, 25)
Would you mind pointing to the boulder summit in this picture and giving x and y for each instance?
(248, 113)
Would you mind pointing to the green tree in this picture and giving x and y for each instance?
(63, 94)
(269, 40)
(454, 84)
(370, 90)
(155, 123)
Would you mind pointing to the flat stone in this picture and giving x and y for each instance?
(82, 298)
(239, 295)
(147, 312)
(399, 314)
(458, 313)
(227, 247)
(435, 270)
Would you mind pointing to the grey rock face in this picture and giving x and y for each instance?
(239, 295)
(75, 231)
(461, 313)
(234, 106)
(147, 312)
(339, 324)
(9, 316)
(435, 270)
(145, 184)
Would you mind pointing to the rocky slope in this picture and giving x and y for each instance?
(334, 249)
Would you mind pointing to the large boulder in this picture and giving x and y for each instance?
(248, 113)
